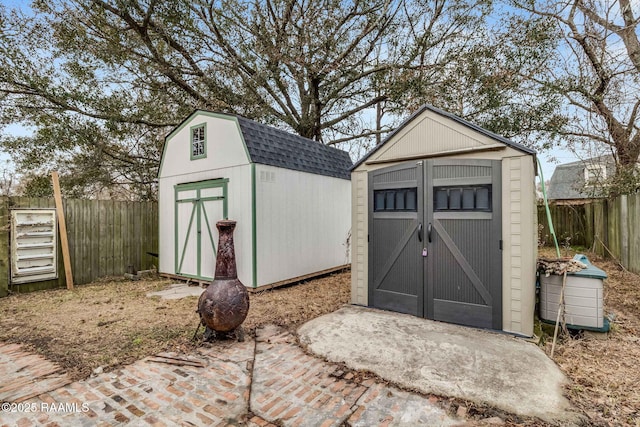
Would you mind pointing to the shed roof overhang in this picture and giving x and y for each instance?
(502, 141)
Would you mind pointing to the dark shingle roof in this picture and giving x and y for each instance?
(270, 146)
(567, 181)
(453, 117)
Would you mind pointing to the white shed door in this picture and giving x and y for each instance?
(33, 245)
(199, 205)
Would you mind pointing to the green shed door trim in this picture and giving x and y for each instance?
(199, 219)
(254, 244)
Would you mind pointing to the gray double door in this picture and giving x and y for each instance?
(435, 247)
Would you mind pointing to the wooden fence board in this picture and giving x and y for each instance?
(135, 247)
(613, 228)
(118, 259)
(126, 229)
(599, 225)
(86, 239)
(634, 232)
(104, 237)
(600, 229)
(75, 206)
(103, 229)
(589, 225)
(4, 246)
(155, 235)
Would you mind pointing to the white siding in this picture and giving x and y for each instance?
(239, 209)
(303, 221)
(222, 136)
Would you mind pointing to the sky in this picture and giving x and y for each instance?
(548, 159)
(561, 156)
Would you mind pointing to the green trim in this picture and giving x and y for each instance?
(199, 211)
(254, 243)
(208, 224)
(175, 227)
(244, 143)
(225, 206)
(546, 206)
(204, 148)
(199, 208)
(211, 183)
(186, 122)
(191, 276)
(159, 240)
(186, 239)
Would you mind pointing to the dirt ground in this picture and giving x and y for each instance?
(604, 373)
(113, 322)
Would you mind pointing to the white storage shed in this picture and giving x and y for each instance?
(444, 225)
(290, 196)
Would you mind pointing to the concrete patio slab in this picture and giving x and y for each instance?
(177, 291)
(503, 371)
(291, 388)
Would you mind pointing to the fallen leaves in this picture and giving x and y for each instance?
(111, 323)
(604, 373)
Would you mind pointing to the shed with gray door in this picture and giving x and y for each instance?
(289, 195)
(444, 225)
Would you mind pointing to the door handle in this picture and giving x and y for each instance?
(429, 232)
(420, 232)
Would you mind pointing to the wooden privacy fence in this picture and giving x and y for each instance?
(105, 238)
(610, 227)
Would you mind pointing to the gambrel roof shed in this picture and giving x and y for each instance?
(271, 146)
(290, 196)
(444, 224)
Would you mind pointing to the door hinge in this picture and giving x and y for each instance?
(367, 238)
(500, 244)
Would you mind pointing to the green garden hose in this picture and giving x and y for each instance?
(546, 206)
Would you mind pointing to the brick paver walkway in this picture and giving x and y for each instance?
(266, 382)
(24, 375)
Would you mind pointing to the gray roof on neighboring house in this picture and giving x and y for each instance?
(568, 180)
(453, 117)
(270, 146)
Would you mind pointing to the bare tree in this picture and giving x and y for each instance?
(597, 71)
(7, 183)
(102, 81)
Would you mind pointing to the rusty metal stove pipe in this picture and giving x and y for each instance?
(224, 305)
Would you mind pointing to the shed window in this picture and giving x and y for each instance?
(466, 198)
(398, 199)
(198, 142)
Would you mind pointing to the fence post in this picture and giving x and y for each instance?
(589, 231)
(599, 227)
(634, 232)
(624, 230)
(4, 246)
